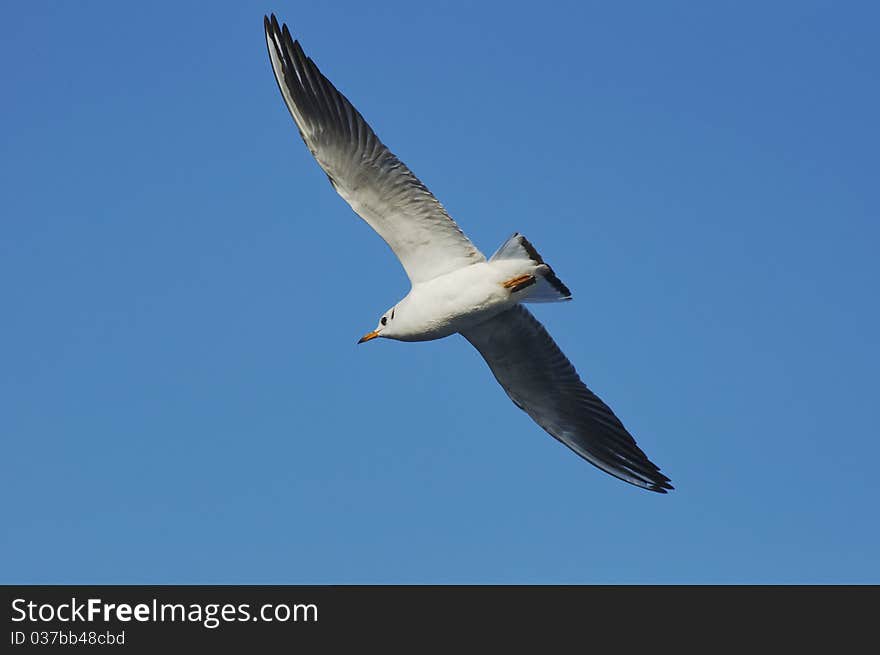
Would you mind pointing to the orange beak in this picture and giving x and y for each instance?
(369, 336)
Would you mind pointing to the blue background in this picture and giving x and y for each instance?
(182, 397)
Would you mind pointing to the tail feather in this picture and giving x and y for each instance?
(548, 287)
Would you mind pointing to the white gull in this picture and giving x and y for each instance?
(454, 287)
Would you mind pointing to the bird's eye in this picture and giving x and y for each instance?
(383, 320)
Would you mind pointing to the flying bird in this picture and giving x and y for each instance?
(454, 287)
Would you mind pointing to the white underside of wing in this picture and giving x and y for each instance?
(377, 185)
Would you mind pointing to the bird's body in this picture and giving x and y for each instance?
(451, 303)
(455, 289)
(459, 300)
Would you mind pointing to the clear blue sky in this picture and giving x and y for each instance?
(182, 397)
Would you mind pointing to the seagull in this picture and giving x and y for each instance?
(455, 289)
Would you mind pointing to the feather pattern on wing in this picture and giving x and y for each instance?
(377, 185)
(541, 381)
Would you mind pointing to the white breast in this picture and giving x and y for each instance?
(455, 301)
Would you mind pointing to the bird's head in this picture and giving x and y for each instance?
(385, 328)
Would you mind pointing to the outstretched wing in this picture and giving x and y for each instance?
(377, 185)
(541, 381)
